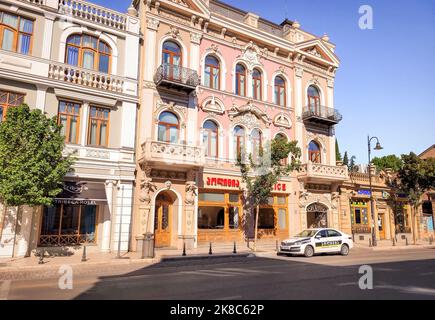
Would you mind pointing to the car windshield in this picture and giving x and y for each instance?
(306, 233)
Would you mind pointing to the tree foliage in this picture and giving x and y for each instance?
(31, 163)
(346, 159)
(388, 162)
(261, 176)
(337, 151)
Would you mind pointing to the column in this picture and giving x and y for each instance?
(189, 218)
(128, 125)
(150, 49)
(299, 72)
(48, 35)
(41, 93)
(330, 97)
(84, 124)
(108, 215)
(122, 220)
(194, 64)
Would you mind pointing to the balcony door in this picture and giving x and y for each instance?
(172, 60)
(314, 100)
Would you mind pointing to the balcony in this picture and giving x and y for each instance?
(172, 154)
(176, 77)
(321, 115)
(85, 77)
(315, 172)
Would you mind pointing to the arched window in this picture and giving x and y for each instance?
(313, 99)
(15, 33)
(281, 136)
(239, 141)
(314, 152)
(210, 139)
(169, 127)
(280, 94)
(88, 52)
(256, 143)
(172, 60)
(240, 80)
(212, 72)
(256, 84)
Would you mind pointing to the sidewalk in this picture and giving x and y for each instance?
(105, 263)
(387, 245)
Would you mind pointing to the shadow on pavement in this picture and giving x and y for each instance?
(266, 279)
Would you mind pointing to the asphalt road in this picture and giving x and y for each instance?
(398, 274)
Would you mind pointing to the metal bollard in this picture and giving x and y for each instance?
(84, 254)
(184, 249)
(430, 240)
(406, 240)
(370, 242)
(394, 242)
(210, 251)
(235, 249)
(276, 246)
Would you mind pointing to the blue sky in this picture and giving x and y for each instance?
(387, 75)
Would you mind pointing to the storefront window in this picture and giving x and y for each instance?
(266, 218)
(211, 217)
(68, 225)
(212, 197)
(282, 225)
(234, 217)
(360, 217)
(234, 197)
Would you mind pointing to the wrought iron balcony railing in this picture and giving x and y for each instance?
(176, 76)
(321, 114)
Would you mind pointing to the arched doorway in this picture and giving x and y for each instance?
(163, 219)
(317, 215)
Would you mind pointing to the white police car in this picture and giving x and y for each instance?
(314, 241)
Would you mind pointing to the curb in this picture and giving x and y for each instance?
(164, 258)
(410, 247)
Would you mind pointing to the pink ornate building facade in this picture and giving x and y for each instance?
(217, 82)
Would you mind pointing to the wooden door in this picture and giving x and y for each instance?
(162, 224)
(381, 226)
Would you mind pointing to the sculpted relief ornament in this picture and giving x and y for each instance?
(146, 188)
(191, 193)
(251, 54)
(249, 115)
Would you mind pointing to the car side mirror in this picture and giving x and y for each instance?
(317, 237)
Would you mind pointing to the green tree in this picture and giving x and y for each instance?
(262, 174)
(352, 163)
(415, 177)
(31, 162)
(346, 159)
(391, 161)
(337, 151)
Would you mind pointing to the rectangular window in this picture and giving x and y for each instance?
(211, 217)
(266, 219)
(64, 225)
(212, 197)
(15, 33)
(69, 118)
(234, 217)
(98, 127)
(9, 99)
(282, 225)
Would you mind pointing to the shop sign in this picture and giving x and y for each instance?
(364, 192)
(76, 202)
(235, 183)
(223, 182)
(280, 187)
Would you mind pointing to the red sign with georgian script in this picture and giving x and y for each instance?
(222, 182)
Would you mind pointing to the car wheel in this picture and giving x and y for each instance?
(344, 250)
(309, 251)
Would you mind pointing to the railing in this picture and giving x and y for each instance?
(322, 112)
(361, 229)
(177, 74)
(363, 178)
(316, 170)
(37, 2)
(85, 77)
(172, 153)
(94, 13)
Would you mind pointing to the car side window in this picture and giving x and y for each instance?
(333, 233)
(322, 234)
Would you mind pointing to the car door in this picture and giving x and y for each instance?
(321, 241)
(335, 240)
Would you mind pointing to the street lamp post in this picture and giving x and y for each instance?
(374, 222)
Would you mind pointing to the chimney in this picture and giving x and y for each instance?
(251, 19)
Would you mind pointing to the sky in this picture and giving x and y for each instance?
(387, 74)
